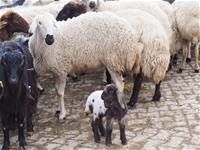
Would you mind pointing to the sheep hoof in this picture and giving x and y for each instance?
(188, 60)
(196, 71)
(29, 133)
(57, 113)
(179, 70)
(41, 91)
(130, 104)
(108, 144)
(62, 120)
(97, 141)
(124, 142)
(75, 79)
(156, 97)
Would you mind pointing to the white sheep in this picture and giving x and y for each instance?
(6, 2)
(110, 103)
(89, 42)
(188, 21)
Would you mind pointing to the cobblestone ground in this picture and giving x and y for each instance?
(173, 123)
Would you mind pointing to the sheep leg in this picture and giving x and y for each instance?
(95, 125)
(136, 89)
(188, 59)
(29, 123)
(60, 83)
(40, 88)
(122, 131)
(196, 53)
(109, 126)
(117, 79)
(6, 142)
(186, 46)
(20, 125)
(101, 126)
(157, 94)
(106, 77)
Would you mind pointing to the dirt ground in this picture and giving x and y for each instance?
(173, 123)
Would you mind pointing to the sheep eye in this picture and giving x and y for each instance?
(40, 23)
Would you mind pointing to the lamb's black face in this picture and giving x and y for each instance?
(49, 39)
(13, 63)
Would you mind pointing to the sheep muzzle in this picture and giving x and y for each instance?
(49, 39)
(92, 5)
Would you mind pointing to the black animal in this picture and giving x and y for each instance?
(18, 91)
(116, 109)
(70, 10)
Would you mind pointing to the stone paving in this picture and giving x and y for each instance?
(173, 123)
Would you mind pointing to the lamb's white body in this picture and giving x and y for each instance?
(5, 2)
(89, 42)
(94, 100)
(188, 21)
(155, 56)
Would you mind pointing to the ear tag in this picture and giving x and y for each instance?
(29, 88)
(1, 84)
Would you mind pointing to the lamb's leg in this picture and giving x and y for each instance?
(60, 83)
(109, 126)
(122, 131)
(29, 123)
(186, 46)
(101, 126)
(6, 142)
(196, 53)
(95, 125)
(157, 94)
(136, 89)
(20, 125)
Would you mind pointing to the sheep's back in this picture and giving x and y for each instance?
(92, 41)
(188, 19)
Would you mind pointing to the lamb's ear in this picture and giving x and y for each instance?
(25, 79)
(3, 24)
(55, 23)
(2, 79)
(120, 98)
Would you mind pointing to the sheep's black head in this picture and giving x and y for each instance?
(70, 10)
(112, 95)
(13, 64)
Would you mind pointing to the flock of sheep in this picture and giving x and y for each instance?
(139, 38)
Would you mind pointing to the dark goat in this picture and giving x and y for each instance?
(11, 22)
(70, 10)
(116, 109)
(17, 3)
(18, 91)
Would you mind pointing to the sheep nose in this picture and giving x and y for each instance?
(49, 39)
(92, 4)
(86, 113)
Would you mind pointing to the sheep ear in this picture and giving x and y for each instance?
(32, 27)
(120, 98)
(25, 80)
(57, 26)
(3, 24)
(2, 80)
